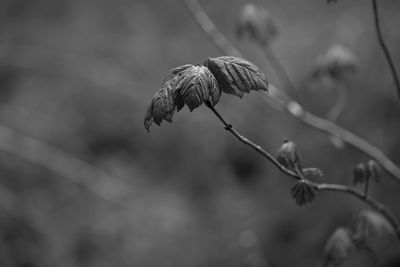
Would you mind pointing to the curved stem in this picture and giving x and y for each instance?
(318, 186)
(384, 46)
(209, 28)
(366, 199)
(282, 101)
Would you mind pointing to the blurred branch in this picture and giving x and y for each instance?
(208, 26)
(384, 46)
(282, 101)
(339, 105)
(62, 163)
(280, 71)
(318, 186)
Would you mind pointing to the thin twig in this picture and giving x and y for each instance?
(384, 46)
(318, 186)
(283, 101)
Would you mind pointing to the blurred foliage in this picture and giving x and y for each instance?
(79, 75)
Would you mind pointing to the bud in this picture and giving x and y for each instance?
(360, 174)
(335, 63)
(256, 23)
(287, 155)
(338, 247)
(373, 169)
(303, 192)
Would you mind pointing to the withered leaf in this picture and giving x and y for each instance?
(236, 76)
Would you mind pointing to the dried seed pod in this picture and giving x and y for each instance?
(303, 192)
(256, 23)
(236, 76)
(339, 247)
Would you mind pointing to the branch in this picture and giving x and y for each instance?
(384, 46)
(62, 163)
(285, 102)
(318, 186)
(209, 28)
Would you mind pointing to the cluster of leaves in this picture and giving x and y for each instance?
(345, 241)
(256, 23)
(194, 85)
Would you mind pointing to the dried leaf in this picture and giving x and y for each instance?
(256, 23)
(303, 192)
(236, 76)
(338, 247)
(373, 224)
(313, 173)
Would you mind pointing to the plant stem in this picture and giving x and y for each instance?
(384, 46)
(284, 102)
(318, 186)
(209, 28)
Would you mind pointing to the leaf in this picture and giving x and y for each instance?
(303, 192)
(373, 224)
(164, 102)
(313, 173)
(188, 84)
(360, 174)
(338, 247)
(197, 87)
(236, 76)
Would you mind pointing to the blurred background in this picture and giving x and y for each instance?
(83, 184)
